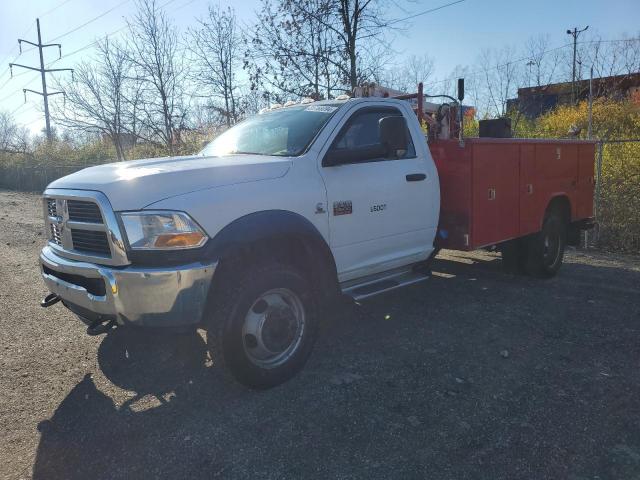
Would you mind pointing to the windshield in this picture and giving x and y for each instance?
(284, 132)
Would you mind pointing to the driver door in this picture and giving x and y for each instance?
(376, 205)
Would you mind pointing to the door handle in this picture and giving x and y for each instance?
(416, 177)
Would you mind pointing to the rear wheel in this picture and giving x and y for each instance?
(264, 327)
(545, 249)
(514, 255)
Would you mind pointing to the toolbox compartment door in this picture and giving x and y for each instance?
(495, 193)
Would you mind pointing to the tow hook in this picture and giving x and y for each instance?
(49, 300)
(98, 326)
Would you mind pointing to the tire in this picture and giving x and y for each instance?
(545, 249)
(264, 325)
(514, 256)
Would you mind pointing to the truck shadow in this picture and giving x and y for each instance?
(91, 436)
(183, 420)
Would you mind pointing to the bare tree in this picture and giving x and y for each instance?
(215, 45)
(359, 20)
(419, 68)
(542, 66)
(95, 99)
(406, 76)
(13, 139)
(294, 51)
(501, 75)
(158, 63)
(610, 58)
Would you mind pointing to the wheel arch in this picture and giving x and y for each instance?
(281, 235)
(559, 203)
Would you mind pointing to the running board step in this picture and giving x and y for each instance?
(367, 289)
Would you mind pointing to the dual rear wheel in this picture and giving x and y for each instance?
(540, 254)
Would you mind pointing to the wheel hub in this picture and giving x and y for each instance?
(279, 329)
(273, 328)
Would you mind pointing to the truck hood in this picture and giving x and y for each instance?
(135, 184)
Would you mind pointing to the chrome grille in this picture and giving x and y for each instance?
(56, 236)
(52, 208)
(90, 241)
(82, 211)
(81, 225)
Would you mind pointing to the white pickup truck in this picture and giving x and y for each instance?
(255, 236)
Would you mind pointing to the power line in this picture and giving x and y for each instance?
(67, 55)
(89, 45)
(79, 27)
(51, 10)
(5, 83)
(70, 54)
(30, 82)
(497, 67)
(14, 49)
(90, 21)
(19, 108)
(419, 14)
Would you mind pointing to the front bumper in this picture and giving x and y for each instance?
(150, 297)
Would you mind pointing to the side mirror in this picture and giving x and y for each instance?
(461, 89)
(393, 134)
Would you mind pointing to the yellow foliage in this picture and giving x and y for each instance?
(612, 120)
(619, 205)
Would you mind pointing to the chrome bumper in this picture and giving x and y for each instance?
(154, 297)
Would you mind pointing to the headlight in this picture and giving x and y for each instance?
(154, 230)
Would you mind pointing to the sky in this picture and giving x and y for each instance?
(452, 36)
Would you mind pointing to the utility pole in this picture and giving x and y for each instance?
(43, 71)
(575, 32)
(530, 64)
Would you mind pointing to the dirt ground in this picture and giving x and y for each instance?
(472, 374)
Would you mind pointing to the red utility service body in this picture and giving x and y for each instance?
(497, 189)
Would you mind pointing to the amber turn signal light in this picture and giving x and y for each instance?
(177, 240)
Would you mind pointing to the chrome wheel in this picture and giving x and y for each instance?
(273, 328)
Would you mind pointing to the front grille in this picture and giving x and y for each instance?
(80, 225)
(55, 234)
(90, 241)
(52, 208)
(81, 211)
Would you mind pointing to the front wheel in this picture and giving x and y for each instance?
(265, 326)
(545, 249)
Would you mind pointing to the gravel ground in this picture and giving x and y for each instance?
(473, 374)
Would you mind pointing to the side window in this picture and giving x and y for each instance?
(361, 131)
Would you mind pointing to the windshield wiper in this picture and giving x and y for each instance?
(240, 152)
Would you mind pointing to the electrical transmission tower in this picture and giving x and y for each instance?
(43, 73)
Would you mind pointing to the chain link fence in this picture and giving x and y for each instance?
(33, 178)
(616, 202)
